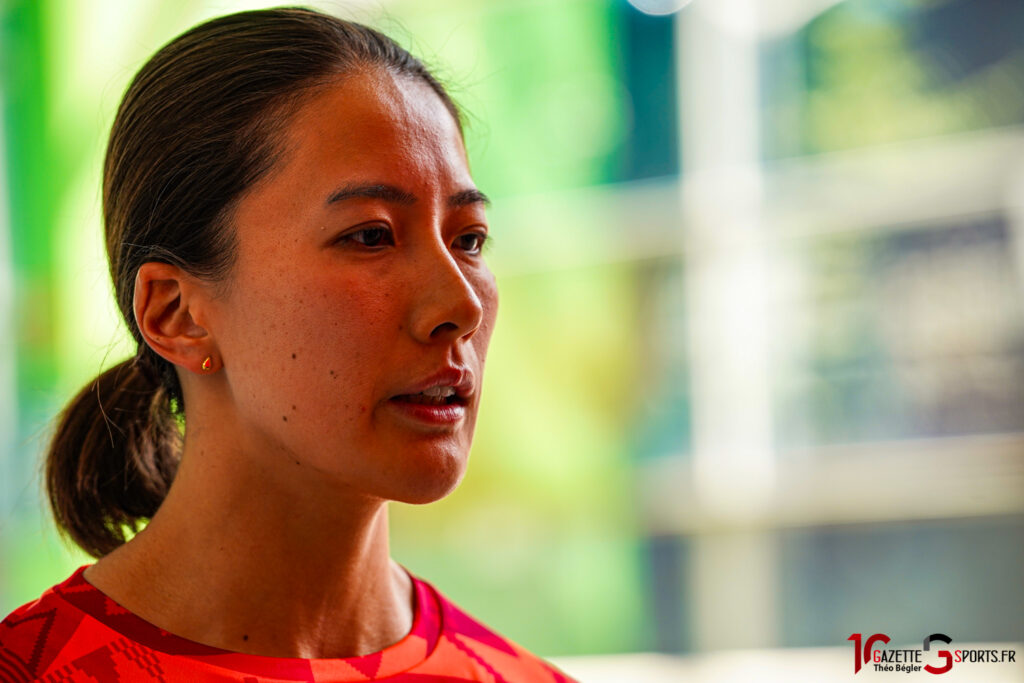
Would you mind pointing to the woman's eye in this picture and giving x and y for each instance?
(471, 243)
(370, 237)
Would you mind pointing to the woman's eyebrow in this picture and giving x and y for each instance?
(468, 197)
(390, 193)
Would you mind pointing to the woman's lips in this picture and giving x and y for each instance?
(419, 409)
(439, 402)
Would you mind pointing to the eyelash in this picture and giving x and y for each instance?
(483, 240)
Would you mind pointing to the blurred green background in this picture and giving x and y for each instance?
(758, 377)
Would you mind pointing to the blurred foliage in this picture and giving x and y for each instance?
(537, 80)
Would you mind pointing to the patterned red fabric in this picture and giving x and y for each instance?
(73, 632)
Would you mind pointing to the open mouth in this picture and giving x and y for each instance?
(437, 407)
(435, 396)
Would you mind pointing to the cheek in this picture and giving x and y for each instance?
(487, 291)
(347, 324)
(298, 338)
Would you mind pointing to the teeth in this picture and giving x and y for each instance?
(439, 392)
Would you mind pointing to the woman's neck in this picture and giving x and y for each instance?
(274, 566)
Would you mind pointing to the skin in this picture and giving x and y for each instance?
(274, 537)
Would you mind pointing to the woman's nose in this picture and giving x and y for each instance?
(447, 306)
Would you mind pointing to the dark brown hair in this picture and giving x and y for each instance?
(201, 122)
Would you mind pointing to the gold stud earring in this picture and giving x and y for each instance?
(207, 364)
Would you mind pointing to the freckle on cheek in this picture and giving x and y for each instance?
(293, 355)
(284, 418)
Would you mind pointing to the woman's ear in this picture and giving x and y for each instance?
(167, 304)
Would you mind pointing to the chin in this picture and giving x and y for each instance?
(423, 485)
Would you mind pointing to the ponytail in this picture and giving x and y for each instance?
(113, 457)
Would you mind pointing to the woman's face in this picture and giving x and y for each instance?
(359, 284)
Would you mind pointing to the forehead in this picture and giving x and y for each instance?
(376, 125)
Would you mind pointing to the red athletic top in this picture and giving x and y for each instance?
(73, 632)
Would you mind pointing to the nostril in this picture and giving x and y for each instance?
(444, 328)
